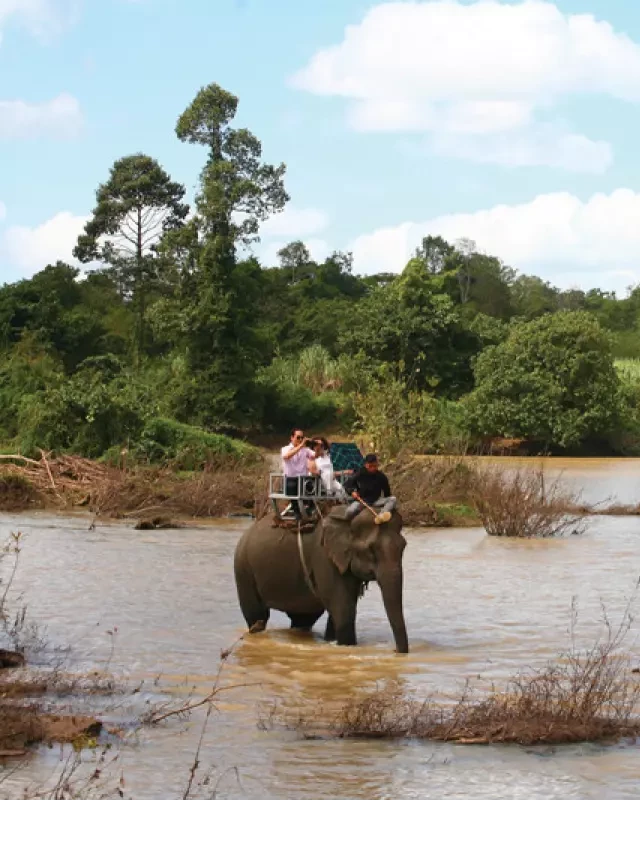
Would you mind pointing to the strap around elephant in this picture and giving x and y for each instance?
(305, 568)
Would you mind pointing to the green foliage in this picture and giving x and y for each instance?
(626, 344)
(552, 381)
(73, 318)
(395, 418)
(135, 208)
(163, 440)
(624, 438)
(300, 390)
(412, 322)
(176, 339)
(100, 406)
(28, 369)
(532, 297)
(628, 369)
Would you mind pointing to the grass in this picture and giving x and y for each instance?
(629, 369)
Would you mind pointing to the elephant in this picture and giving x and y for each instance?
(306, 574)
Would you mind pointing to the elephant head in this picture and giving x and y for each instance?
(371, 552)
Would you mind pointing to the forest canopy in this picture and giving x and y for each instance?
(170, 327)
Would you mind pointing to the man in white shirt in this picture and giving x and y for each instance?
(295, 457)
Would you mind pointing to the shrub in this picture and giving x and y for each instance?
(581, 695)
(285, 399)
(394, 418)
(27, 370)
(521, 503)
(624, 437)
(552, 381)
(16, 492)
(163, 440)
(83, 415)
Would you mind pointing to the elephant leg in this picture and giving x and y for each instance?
(343, 611)
(304, 621)
(254, 610)
(330, 630)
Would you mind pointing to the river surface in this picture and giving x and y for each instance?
(477, 608)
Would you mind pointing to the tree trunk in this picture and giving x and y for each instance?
(140, 288)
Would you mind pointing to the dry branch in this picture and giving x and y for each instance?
(522, 503)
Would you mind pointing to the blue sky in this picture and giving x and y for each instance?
(514, 124)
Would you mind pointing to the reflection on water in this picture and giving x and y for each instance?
(477, 608)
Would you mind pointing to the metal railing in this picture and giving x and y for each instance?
(305, 488)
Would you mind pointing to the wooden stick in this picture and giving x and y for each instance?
(20, 458)
(370, 508)
(46, 464)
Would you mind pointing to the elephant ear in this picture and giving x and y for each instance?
(337, 542)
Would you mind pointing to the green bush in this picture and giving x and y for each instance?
(287, 404)
(86, 414)
(552, 381)
(300, 390)
(624, 438)
(27, 370)
(189, 448)
(626, 344)
(395, 419)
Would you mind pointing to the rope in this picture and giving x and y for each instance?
(305, 568)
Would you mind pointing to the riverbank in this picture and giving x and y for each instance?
(70, 482)
(431, 493)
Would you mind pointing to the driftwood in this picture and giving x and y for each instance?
(69, 480)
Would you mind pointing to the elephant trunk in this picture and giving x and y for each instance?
(391, 587)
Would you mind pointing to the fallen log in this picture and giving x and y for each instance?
(10, 660)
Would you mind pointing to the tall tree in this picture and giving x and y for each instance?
(137, 205)
(532, 297)
(413, 325)
(436, 254)
(294, 257)
(237, 192)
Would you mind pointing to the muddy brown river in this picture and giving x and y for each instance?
(477, 608)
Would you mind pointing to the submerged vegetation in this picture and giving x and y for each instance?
(581, 695)
(524, 503)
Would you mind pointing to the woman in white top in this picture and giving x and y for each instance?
(322, 466)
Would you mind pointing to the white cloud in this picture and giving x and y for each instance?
(43, 18)
(59, 117)
(3, 211)
(591, 243)
(295, 222)
(475, 77)
(540, 145)
(31, 249)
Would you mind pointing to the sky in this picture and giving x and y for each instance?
(514, 124)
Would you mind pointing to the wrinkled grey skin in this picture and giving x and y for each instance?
(339, 555)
